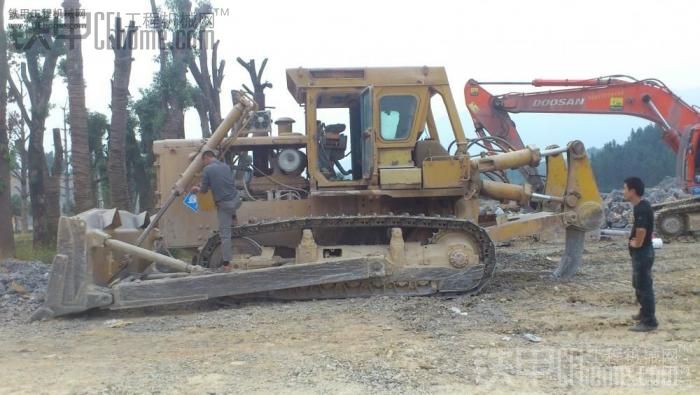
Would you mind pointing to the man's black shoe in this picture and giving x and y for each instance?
(641, 327)
(224, 268)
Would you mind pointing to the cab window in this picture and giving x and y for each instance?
(396, 116)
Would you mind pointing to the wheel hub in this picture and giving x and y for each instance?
(672, 225)
(460, 249)
(458, 257)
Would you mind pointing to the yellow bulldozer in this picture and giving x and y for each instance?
(374, 206)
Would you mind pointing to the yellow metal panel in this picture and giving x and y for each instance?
(527, 225)
(395, 157)
(556, 176)
(206, 201)
(442, 173)
(300, 80)
(180, 226)
(582, 180)
(400, 178)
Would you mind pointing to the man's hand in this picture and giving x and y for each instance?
(195, 189)
(639, 235)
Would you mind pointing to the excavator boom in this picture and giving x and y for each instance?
(650, 99)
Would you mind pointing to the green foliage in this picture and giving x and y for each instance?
(36, 37)
(643, 155)
(16, 203)
(49, 159)
(35, 41)
(135, 158)
(24, 250)
(7, 156)
(168, 88)
(149, 111)
(98, 129)
(169, 82)
(62, 69)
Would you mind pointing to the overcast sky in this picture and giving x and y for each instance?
(485, 40)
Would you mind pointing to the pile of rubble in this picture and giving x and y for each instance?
(22, 288)
(618, 213)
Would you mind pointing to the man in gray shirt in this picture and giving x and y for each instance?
(218, 177)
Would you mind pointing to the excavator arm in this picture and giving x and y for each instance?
(648, 99)
(616, 95)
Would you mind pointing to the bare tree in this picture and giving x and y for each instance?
(37, 73)
(200, 105)
(173, 58)
(260, 160)
(67, 191)
(7, 239)
(80, 153)
(116, 163)
(53, 185)
(209, 84)
(258, 91)
(21, 171)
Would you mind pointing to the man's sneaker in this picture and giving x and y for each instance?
(641, 327)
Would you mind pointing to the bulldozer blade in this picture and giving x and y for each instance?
(573, 254)
(71, 288)
(207, 286)
(74, 284)
(90, 253)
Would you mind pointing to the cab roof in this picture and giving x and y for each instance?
(300, 80)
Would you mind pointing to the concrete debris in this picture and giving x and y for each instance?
(618, 213)
(532, 338)
(457, 311)
(117, 323)
(22, 288)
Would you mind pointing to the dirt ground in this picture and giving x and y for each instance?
(464, 344)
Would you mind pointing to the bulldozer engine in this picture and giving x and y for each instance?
(372, 205)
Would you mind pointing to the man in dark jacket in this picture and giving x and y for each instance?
(642, 253)
(218, 177)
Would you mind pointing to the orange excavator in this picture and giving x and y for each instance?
(650, 99)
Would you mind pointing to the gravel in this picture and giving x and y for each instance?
(373, 345)
(22, 289)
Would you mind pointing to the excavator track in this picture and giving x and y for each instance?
(671, 219)
(420, 282)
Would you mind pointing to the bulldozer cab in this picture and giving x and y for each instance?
(388, 139)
